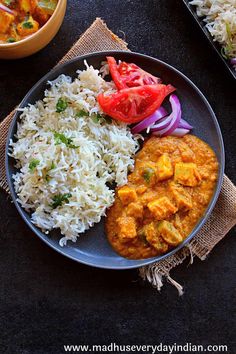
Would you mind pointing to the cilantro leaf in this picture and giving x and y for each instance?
(8, 2)
(58, 199)
(11, 40)
(61, 138)
(27, 25)
(61, 105)
(142, 237)
(82, 113)
(47, 177)
(223, 53)
(97, 117)
(33, 164)
(53, 165)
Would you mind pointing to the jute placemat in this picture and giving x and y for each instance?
(99, 38)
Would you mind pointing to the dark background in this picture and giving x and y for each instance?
(48, 300)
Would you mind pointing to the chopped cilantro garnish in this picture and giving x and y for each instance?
(97, 117)
(8, 2)
(61, 138)
(58, 199)
(33, 164)
(11, 40)
(82, 113)
(52, 166)
(148, 173)
(223, 53)
(47, 177)
(27, 25)
(142, 237)
(61, 105)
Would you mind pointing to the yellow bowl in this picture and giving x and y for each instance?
(38, 40)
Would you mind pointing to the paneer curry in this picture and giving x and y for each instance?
(167, 193)
(21, 18)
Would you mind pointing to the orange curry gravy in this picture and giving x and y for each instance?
(166, 195)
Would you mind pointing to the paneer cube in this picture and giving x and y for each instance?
(187, 174)
(28, 27)
(44, 9)
(6, 20)
(164, 167)
(127, 228)
(186, 153)
(135, 210)
(169, 233)
(141, 189)
(182, 198)
(41, 15)
(148, 197)
(152, 237)
(162, 208)
(25, 5)
(127, 195)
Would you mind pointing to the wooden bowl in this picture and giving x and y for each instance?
(38, 40)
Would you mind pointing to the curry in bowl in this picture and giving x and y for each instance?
(166, 195)
(21, 18)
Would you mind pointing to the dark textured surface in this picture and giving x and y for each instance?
(47, 300)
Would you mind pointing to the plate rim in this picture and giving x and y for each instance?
(140, 262)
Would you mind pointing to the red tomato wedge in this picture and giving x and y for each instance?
(127, 75)
(134, 104)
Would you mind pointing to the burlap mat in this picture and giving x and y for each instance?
(99, 38)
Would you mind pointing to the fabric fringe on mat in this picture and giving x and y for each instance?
(154, 273)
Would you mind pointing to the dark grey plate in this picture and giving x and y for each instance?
(92, 248)
(215, 45)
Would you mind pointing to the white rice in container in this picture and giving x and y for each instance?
(98, 154)
(220, 16)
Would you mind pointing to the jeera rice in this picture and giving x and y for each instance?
(68, 154)
(220, 18)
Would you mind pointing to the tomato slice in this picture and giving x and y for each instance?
(134, 104)
(113, 68)
(127, 75)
